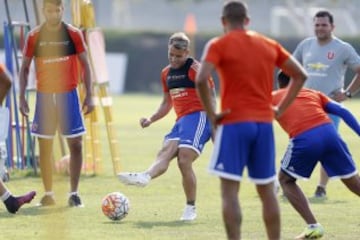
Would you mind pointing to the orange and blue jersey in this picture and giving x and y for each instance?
(180, 84)
(56, 60)
(306, 111)
(246, 82)
(313, 137)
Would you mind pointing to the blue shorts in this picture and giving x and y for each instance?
(58, 111)
(192, 131)
(245, 144)
(322, 144)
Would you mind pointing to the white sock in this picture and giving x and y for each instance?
(73, 193)
(49, 194)
(314, 225)
(148, 175)
(5, 196)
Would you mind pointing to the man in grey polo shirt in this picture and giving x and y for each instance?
(326, 59)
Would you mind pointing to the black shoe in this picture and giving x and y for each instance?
(13, 204)
(75, 201)
(320, 192)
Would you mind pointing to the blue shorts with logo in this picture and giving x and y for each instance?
(58, 111)
(320, 144)
(192, 131)
(244, 144)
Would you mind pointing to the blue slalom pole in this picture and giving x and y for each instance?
(9, 50)
(9, 140)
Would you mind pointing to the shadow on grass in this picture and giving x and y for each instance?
(325, 200)
(34, 211)
(115, 222)
(144, 224)
(315, 200)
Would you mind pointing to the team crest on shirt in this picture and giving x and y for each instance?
(330, 55)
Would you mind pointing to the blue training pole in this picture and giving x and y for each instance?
(9, 52)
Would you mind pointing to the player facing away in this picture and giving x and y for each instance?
(11, 202)
(313, 139)
(192, 129)
(245, 62)
(57, 48)
(326, 58)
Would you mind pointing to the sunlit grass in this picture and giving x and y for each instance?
(155, 210)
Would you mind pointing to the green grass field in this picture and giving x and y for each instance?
(155, 210)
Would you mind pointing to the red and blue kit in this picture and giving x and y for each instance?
(192, 128)
(245, 62)
(180, 83)
(57, 73)
(313, 137)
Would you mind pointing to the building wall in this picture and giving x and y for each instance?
(139, 29)
(291, 18)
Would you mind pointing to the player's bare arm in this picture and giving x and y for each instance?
(213, 97)
(24, 75)
(207, 97)
(88, 104)
(298, 76)
(162, 111)
(202, 89)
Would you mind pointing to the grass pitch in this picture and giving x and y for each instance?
(155, 210)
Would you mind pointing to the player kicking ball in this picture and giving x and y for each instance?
(192, 129)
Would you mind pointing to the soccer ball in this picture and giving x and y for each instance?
(115, 206)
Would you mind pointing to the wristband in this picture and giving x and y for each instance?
(348, 94)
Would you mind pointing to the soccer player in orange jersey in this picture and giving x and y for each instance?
(56, 48)
(313, 139)
(245, 62)
(11, 202)
(192, 129)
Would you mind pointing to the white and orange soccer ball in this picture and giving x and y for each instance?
(115, 206)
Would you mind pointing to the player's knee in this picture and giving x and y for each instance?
(186, 157)
(75, 146)
(184, 163)
(285, 179)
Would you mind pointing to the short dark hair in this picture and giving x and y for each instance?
(325, 13)
(283, 79)
(235, 11)
(56, 2)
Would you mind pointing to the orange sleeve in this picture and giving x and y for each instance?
(29, 47)
(78, 39)
(324, 99)
(283, 55)
(193, 71)
(2, 68)
(213, 55)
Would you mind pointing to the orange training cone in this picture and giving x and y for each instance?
(190, 24)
